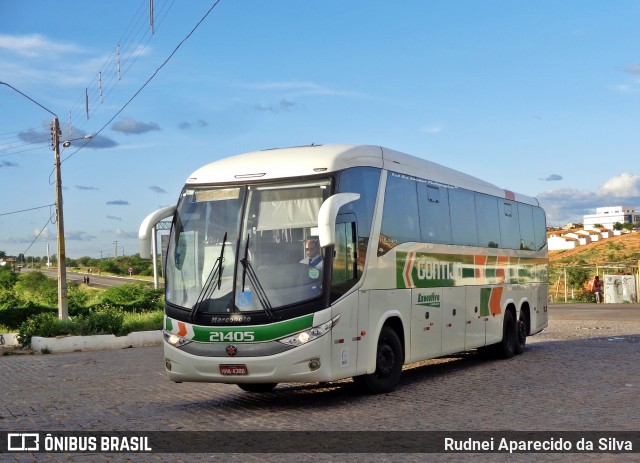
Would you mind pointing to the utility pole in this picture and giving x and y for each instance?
(63, 308)
(63, 312)
(115, 252)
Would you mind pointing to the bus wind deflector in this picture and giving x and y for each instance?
(327, 216)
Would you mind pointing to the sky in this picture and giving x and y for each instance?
(542, 98)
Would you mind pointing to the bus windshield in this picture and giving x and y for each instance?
(245, 248)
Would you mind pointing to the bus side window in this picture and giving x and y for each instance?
(435, 221)
(509, 226)
(527, 231)
(400, 216)
(344, 271)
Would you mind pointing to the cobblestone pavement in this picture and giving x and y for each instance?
(577, 375)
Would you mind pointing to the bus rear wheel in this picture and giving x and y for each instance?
(523, 330)
(389, 360)
(257, 387)
(507, 347)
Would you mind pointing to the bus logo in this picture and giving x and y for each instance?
(232, 349)
(429, 300)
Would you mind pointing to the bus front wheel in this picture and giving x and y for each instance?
(389, 360)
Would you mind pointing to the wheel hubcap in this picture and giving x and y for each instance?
(386, 360)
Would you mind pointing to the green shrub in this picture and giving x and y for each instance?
(14, 313)
(43, 324)
(584, 296)
(105, 320)
(134, 297)
(8, 278)
(38, 288)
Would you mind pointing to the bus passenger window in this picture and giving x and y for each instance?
(400, 217)
(435, 222)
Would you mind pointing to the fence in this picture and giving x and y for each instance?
(573, 283)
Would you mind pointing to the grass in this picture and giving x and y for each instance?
(147, 321)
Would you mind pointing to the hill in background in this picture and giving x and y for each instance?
(618, 250)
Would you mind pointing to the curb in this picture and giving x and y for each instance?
(8, 339)
(97, 342)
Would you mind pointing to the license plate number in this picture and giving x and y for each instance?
(233, 370)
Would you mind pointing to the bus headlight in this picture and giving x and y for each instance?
(306, 336)
(174, 339)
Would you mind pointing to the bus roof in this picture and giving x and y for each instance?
(311, 160)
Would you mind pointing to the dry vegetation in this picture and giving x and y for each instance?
(624, 249)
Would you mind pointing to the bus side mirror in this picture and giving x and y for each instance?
(146, 229)
(327, 216)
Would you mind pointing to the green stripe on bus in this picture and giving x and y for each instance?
(258, 333)
(485, 297)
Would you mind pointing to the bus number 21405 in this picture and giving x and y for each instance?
(235, 336)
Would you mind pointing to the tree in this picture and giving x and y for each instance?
(577, 277)
(617, 226)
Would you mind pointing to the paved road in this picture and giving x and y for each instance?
(102, 281)
(619, 312)
(578, 375)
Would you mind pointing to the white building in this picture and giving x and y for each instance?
(557, 243)
(608, 216)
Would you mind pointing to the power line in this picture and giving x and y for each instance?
(26, 210)
(40, 233)
(130, 47)
(149, 79)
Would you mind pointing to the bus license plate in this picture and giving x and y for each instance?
(233, 370)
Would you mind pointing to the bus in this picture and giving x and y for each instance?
(418, 261)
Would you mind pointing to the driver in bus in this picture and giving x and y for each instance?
(313, 258)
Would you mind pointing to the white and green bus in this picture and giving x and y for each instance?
(418, 261)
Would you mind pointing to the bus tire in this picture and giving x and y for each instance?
(507, 347)
(389, 360)
(523, 330)
(257, 387)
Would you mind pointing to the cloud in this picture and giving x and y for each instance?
(118, 202)
(97, 142)
(34, 136)
(284, 105)
(36, 46)
(113, 217)
(42, 233)
(633, 68)
(8, 164)
(78, 236)
(187, 125)
(300, 88)
(77, 138)
(130, 126)
(157, 189)
(567, 205)
(625, 185)
(81, 187)
(122, 234)
(433, 129)
(571, 205)
(552, 178)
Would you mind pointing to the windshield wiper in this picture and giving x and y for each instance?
(247, 270)
(209, 286)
